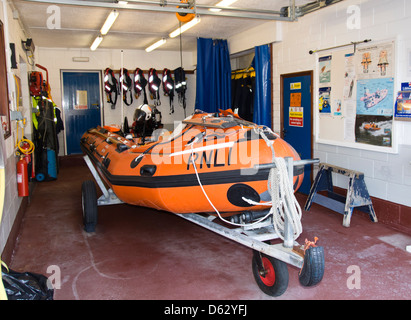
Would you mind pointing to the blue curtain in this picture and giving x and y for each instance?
(262, 91)
(213, 86)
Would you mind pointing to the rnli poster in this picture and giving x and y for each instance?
(376, 61)
(374, 119)
(375, 94)
(325, 69)
(403, 103)
(374, 130)
(324, 103)
(375, 97)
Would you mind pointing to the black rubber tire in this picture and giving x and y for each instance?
(89, 204)
(313, 269)
(275, 284)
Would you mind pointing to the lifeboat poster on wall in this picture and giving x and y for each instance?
(375, 94)
(374, 119)
(374, 130)
(375, 97)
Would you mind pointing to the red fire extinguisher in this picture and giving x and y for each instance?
(22, 178)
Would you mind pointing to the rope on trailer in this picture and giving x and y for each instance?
(283, 201)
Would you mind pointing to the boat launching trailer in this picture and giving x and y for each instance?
(255, 230)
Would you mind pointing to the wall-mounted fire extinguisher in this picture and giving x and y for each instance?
(22, 178)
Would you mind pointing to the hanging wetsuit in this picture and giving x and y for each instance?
(168, 87)
(243, 83)
(140, 83)
(110, 87)
(126, 84)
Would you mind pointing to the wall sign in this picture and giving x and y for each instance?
(296, 117)
(295, 86)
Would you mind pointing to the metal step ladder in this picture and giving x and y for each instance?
(357, 193)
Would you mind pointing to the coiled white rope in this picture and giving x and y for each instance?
(283, 201)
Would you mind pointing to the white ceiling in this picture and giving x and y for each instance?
(133, 29)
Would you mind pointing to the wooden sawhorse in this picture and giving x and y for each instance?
(357, 193)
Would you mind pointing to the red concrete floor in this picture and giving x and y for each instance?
(138, 253)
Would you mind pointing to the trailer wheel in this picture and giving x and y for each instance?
(89, 204)
(313, 269)
(270, 274)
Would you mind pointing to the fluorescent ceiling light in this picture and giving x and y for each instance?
(185, 27)
(156, 45)
(223, 3)
(109, 22)
(80, 59)
(96, 43)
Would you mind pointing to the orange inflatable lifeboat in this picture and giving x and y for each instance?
(207, 154)
(371, 127)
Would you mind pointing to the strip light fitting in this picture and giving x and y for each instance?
(185, 27)
(109, 22)
(96, 43)
(156, 45)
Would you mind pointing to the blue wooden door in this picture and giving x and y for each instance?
(297, 119)
(82, 104)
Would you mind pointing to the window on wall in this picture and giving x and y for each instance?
(4, 92)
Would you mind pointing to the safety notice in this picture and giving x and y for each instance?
(296, 117)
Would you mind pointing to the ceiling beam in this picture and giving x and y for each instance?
(231, 12)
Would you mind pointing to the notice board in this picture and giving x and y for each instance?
(355, 96)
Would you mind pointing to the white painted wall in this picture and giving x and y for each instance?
(13, 33)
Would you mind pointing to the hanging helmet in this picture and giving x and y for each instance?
(126, 84)
(110, 86)
(146, 109)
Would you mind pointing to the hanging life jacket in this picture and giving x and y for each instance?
(181, 86)
(110, 87)
(168, 87)
(154, 83)
(126, 84)
(140, 83)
